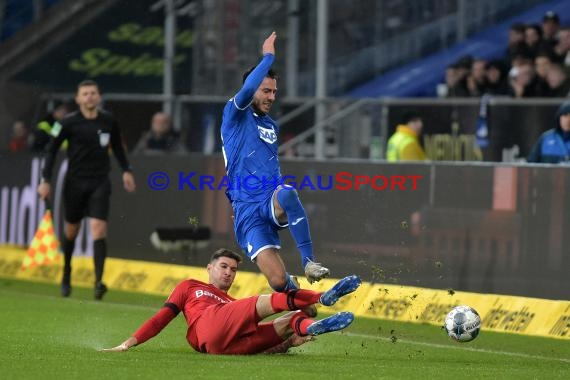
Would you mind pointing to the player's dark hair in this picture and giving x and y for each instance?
(223, 252)
(88, 82)
(270, 74)
(411, 116)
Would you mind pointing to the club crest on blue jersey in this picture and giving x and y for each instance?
(267, 135)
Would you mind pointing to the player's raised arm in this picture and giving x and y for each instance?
(269, 44)
(243, 98)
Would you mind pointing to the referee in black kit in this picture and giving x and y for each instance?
(87, 189)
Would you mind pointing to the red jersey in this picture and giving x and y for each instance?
(204, 306)
(191, 297)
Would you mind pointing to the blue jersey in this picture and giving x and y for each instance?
(250, 143)
(552, 147)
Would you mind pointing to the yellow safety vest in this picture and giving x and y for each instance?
(404, 145)
(47, 129)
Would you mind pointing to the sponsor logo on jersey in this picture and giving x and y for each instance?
(267, 135)
(200, 293)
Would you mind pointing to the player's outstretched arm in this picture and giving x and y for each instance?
(148, 330)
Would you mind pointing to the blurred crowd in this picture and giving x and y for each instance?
(536, 63)
(160, 138)
(24, 138)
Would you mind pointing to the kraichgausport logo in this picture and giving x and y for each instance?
(342, 181)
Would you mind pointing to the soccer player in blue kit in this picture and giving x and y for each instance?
(262, 204)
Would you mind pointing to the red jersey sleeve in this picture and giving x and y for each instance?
(154, 325)
(174, 304)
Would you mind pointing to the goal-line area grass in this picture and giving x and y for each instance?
(45, 336)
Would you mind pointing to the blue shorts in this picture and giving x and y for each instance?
(256, 227)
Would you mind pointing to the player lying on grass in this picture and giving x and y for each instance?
(220, 324)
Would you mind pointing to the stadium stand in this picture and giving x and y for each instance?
(17, 14)
(420, 78)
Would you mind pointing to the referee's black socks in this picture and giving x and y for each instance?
(99, 255)
(68, 246)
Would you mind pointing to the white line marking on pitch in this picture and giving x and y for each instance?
(436, 345)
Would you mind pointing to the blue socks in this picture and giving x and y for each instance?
(298, 222)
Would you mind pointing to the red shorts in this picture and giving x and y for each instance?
(234, 328)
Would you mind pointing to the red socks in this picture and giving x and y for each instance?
(300, 322)
(294, 299)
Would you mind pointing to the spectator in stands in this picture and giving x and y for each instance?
(516, 44)
(292, 151)
(160, 138)
(523, 80)
(562, 47)
(542, 65)
(42, 134)
(558, 81)
(477, 81)
(550, 28)
(553, 145)
(19, 139)
(404, 144)
(520, 57)
(451, 79)
(497, 82)
(534, 41)
(456, 79)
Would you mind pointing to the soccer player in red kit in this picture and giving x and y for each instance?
(220, 324)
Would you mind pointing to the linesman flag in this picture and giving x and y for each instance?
(44, 248)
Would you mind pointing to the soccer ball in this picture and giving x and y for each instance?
(462, 323)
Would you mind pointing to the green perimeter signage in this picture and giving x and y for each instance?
(122, 49)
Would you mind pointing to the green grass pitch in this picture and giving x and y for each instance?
(47, 337)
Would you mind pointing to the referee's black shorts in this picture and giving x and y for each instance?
(86, 197)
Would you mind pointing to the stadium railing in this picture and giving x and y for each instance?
(354, 128)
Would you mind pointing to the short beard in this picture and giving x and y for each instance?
(257, 110)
